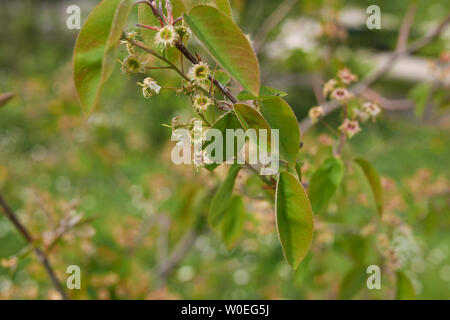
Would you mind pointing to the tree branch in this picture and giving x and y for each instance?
(359, 88)
(41, 255)
(271, 22)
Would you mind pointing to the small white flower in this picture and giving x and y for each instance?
(350, 127)
(361, 115)
(149, 87)
(371, 109)
(166, 36)
(199, 73)
(347, 76)
(329, 87)
(340, 94)
(315, 113)
(202, 102)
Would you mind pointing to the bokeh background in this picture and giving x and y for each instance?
(103, 194)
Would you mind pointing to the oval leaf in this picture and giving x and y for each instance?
(227, 121)
(222, 198)
(223, 5)
(279, 115)
(250, 118)
(265, 93)
(373, 179)
(227, 44)
(233, 222)
(325, 182)
(294, 218)
(95, 54)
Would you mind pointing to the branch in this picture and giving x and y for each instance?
(359, 88)
(178, 253)
(5, 98)
(41, 255)
(271, 22)
(403, 36)
(182, 48)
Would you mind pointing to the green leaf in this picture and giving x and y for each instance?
(405, 289)
(250, 118)
(373, 180)
(294, 218)
(223, 5)
(325, 182)
(265, 93)
(279, 115)
(222, 77)
(5, 98)
(352, 283)
(233, 222)
(222, 198)
(227, 121)
(227, 44)
(95, 49)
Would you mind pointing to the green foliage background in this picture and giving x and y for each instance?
(117, 167)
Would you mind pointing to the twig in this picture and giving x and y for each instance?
(343, 137)
(177, 254)
(408, 21)
(306, 124)
(182, 48)
(271, 22)
(41, 255)
(5, 98)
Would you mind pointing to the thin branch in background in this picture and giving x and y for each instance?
(343, 137)
(407, 24)
(5, 98)
(388, 104)
(178, 253)
(41, 255)
(361, 87)
(272, 22)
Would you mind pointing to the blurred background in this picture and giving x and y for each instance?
(103, 193)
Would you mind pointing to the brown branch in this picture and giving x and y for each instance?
(388, 104)
(405, 29)
(359, 88)
(41, 255)
(182, 48)
(5, 98)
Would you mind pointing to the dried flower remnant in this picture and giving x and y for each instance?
(350, 127)
(184, 32)
(202, 102)
(199, 73)
(133, 64)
